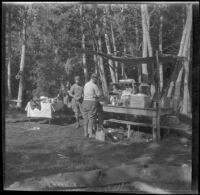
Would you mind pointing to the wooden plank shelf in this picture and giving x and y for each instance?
(129, 123)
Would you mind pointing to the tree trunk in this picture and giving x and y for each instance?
(180, 53)
(125, 44)
(146, 24)
(136, 36)
(186, 106)
(9, 56)
(177, 90)
(111, 65)
(95, 59)
(186, 99)
(160, 50)
(100, 62)
(56, 54)
(83, 47)
(123, 65)
(147, 31)
(21, 71)
(137, 46)
(139, 73)
(144, 45)
(101, 69)
(184, 49)
(114, 52)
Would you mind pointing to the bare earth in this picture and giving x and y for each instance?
(60, 147)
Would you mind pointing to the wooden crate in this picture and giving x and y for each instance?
(139, 101)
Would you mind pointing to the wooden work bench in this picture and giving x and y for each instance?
(154, 113)
(149, 112)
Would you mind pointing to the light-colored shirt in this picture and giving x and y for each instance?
(76, 90)
(91, 91)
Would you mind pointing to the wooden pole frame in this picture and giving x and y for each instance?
(158, 99)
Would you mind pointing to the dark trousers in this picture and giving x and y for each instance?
(89, 116)
(77, 108)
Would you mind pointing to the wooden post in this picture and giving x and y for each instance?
(129, 130)
(154, 121)
(158, 101)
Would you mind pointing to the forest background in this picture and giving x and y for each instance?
(42, 42)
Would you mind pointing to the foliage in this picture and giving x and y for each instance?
(53, 33)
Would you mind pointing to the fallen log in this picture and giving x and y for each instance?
(117, 175)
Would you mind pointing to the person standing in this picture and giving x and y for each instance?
(67, 98)
(90, 103)
(76, 92)
(61, 93)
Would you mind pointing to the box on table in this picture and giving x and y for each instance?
(100, 135)
(139, 101)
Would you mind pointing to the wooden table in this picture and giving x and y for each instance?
(150, 112)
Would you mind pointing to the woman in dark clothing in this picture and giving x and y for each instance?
(61, 93)
(35, 101)
(63, 96)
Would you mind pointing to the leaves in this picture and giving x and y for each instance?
(51, 26)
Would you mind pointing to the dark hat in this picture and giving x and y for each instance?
(94, 75)
(77, 77)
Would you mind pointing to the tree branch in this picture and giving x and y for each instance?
(154, 9)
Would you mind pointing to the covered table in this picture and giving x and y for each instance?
(46, 111)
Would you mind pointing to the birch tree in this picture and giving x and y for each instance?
(147, 47)
(114, 47)
(144, 43)
(160, 50)
(125, 44)
(22, 61)
(136, 33)
(180, 53)
(100, 59)
(186, 106)
(9, 55)
(83, 47)
(147, 30)
(184, 47)
(107, 41)
(95, 58)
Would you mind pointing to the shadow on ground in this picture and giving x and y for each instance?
(60, 147)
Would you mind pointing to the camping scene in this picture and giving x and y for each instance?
(98, 97)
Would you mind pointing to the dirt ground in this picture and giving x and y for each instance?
(60, 147)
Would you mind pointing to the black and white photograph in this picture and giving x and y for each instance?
(99, 97)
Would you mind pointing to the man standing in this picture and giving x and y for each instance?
(76, 92)
(90, 102)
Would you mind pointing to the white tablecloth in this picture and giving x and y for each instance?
(45, 112)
